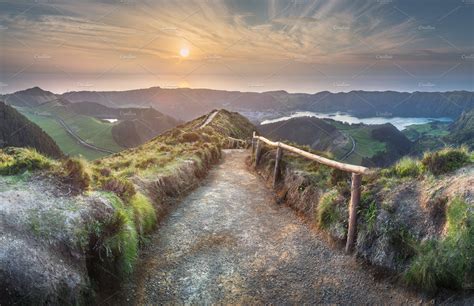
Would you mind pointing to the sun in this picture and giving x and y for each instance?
(184, 52)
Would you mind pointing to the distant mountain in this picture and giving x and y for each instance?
(17, 131)
(313, 132)
(32, 97)
(462, 130)
(185, 103)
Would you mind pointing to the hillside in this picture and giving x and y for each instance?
(81, 129)
(369, 145)
(17, 131)
(73, 219)
(135, 126)
(186, 103)
(65, 222)
(462, 130)
(415, 219)
(313, 132)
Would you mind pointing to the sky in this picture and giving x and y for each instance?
(293, 45)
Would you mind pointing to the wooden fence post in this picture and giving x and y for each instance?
(355, 198)
(258, 152)
(253, 142)
(276, 172)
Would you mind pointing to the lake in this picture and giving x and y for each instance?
(399, 122)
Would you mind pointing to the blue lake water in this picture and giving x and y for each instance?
(399, 122)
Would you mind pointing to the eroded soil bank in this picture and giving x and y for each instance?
(229, 242)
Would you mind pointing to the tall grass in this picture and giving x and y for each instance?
(448, 262)
(17, 160)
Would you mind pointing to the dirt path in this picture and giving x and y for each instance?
(228, 242)
(208, 119)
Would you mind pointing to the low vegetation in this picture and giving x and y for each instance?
(412, 221)
(18, 160)
(139, 184)
(449, 261)
(446, 160)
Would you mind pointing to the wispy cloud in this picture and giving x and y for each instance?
(86, 37)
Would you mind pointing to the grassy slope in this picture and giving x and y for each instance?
(140, 184)
(366, 145)
(401, 213)
(432, 129)
(66, 142)
(89, 129)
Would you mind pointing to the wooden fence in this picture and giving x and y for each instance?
(357, 172)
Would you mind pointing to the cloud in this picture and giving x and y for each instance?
(254, 36)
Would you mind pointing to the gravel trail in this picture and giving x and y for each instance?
(229, 242)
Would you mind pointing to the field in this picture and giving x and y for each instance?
(366, 145)
(91, 130)
(432, 129)
(66, 142)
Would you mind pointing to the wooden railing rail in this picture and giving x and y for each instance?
(357, 172)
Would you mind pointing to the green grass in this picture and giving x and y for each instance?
(446, 160)
(327, 213)
(94, 131)
(366, 145)
(448, 262)
(65, 141)
(408, 167)
(431, 129)
(18, 160)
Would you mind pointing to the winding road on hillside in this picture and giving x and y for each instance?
(229, 242)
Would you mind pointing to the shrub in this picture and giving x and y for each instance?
(123, 188)
(144, 164)
(327, 211)
(144, 214)
(190, 137)
(121, 243)
(76, 173)
(16, 160)
(408, 167)
(446, 160)
(448, 262)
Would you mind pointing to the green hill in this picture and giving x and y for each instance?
(462, 130)
(17, 131)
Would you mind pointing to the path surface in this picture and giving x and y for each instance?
(352, 149)
(208, 119)
(228, 242)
